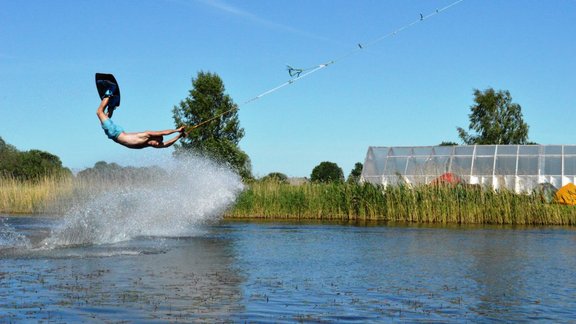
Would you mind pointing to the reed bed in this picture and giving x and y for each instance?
(55, 195)
(28, 197)
(314, 201)
(421, 204)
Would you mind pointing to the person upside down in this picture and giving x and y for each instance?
(135, 140)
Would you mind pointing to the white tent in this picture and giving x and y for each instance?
(517, 167)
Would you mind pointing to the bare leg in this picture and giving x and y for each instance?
(149, 138)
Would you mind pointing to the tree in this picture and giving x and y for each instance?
(9, 158)
(114, 173)
(327, 172)
(35, 164)
(448, 143)
(219, 137)
(495, 119)
(30, 165)
(354, 176)
(277, 177)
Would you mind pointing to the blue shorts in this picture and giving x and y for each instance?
(112, 130)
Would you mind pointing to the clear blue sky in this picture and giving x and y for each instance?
(411, 89)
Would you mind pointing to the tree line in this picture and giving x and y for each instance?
(29, 165)
(34, 165)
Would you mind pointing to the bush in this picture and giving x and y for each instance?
(327, 172)
(276, 176)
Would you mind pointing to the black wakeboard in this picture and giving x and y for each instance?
(103, 82)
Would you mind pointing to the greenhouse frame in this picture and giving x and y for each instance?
(520, 168)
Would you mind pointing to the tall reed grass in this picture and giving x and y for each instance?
(55, 194)
(28, 197)
(312, 201)
(422, 204)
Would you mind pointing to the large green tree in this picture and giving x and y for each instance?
(219, 131)
(327, 172)
(495, 119)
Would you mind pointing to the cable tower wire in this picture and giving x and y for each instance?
(302, 73)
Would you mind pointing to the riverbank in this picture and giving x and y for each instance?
(312, 201)
(421, 204)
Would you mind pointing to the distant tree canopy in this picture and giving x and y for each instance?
(495, 119)
(327, 172)
(448, 144)
(29, 165)
(112, 172)
(276, 176)
(219, 138)
(354, 176)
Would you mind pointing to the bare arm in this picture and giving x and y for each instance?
(100, 111)
(171, 141)
(165, 132)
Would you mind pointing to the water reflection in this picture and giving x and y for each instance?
(414, 273)
(282, 272)
(519, 274)
(497, 269)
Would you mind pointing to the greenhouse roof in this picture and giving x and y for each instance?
(516, 167)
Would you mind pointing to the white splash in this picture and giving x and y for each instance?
(10, 238)
(194, 191)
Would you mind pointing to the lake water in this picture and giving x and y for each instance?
(286, 272)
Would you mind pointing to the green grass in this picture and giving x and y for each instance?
(421, 204)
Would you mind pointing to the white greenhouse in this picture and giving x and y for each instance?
(519, 168)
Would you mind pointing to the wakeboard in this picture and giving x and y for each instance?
(103, 83)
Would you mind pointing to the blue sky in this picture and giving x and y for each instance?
(411, 89)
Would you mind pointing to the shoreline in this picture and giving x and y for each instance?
(341, 202)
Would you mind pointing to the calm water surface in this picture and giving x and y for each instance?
(282, 272)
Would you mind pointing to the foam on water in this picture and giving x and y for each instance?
(193, 191)
(10, 238)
